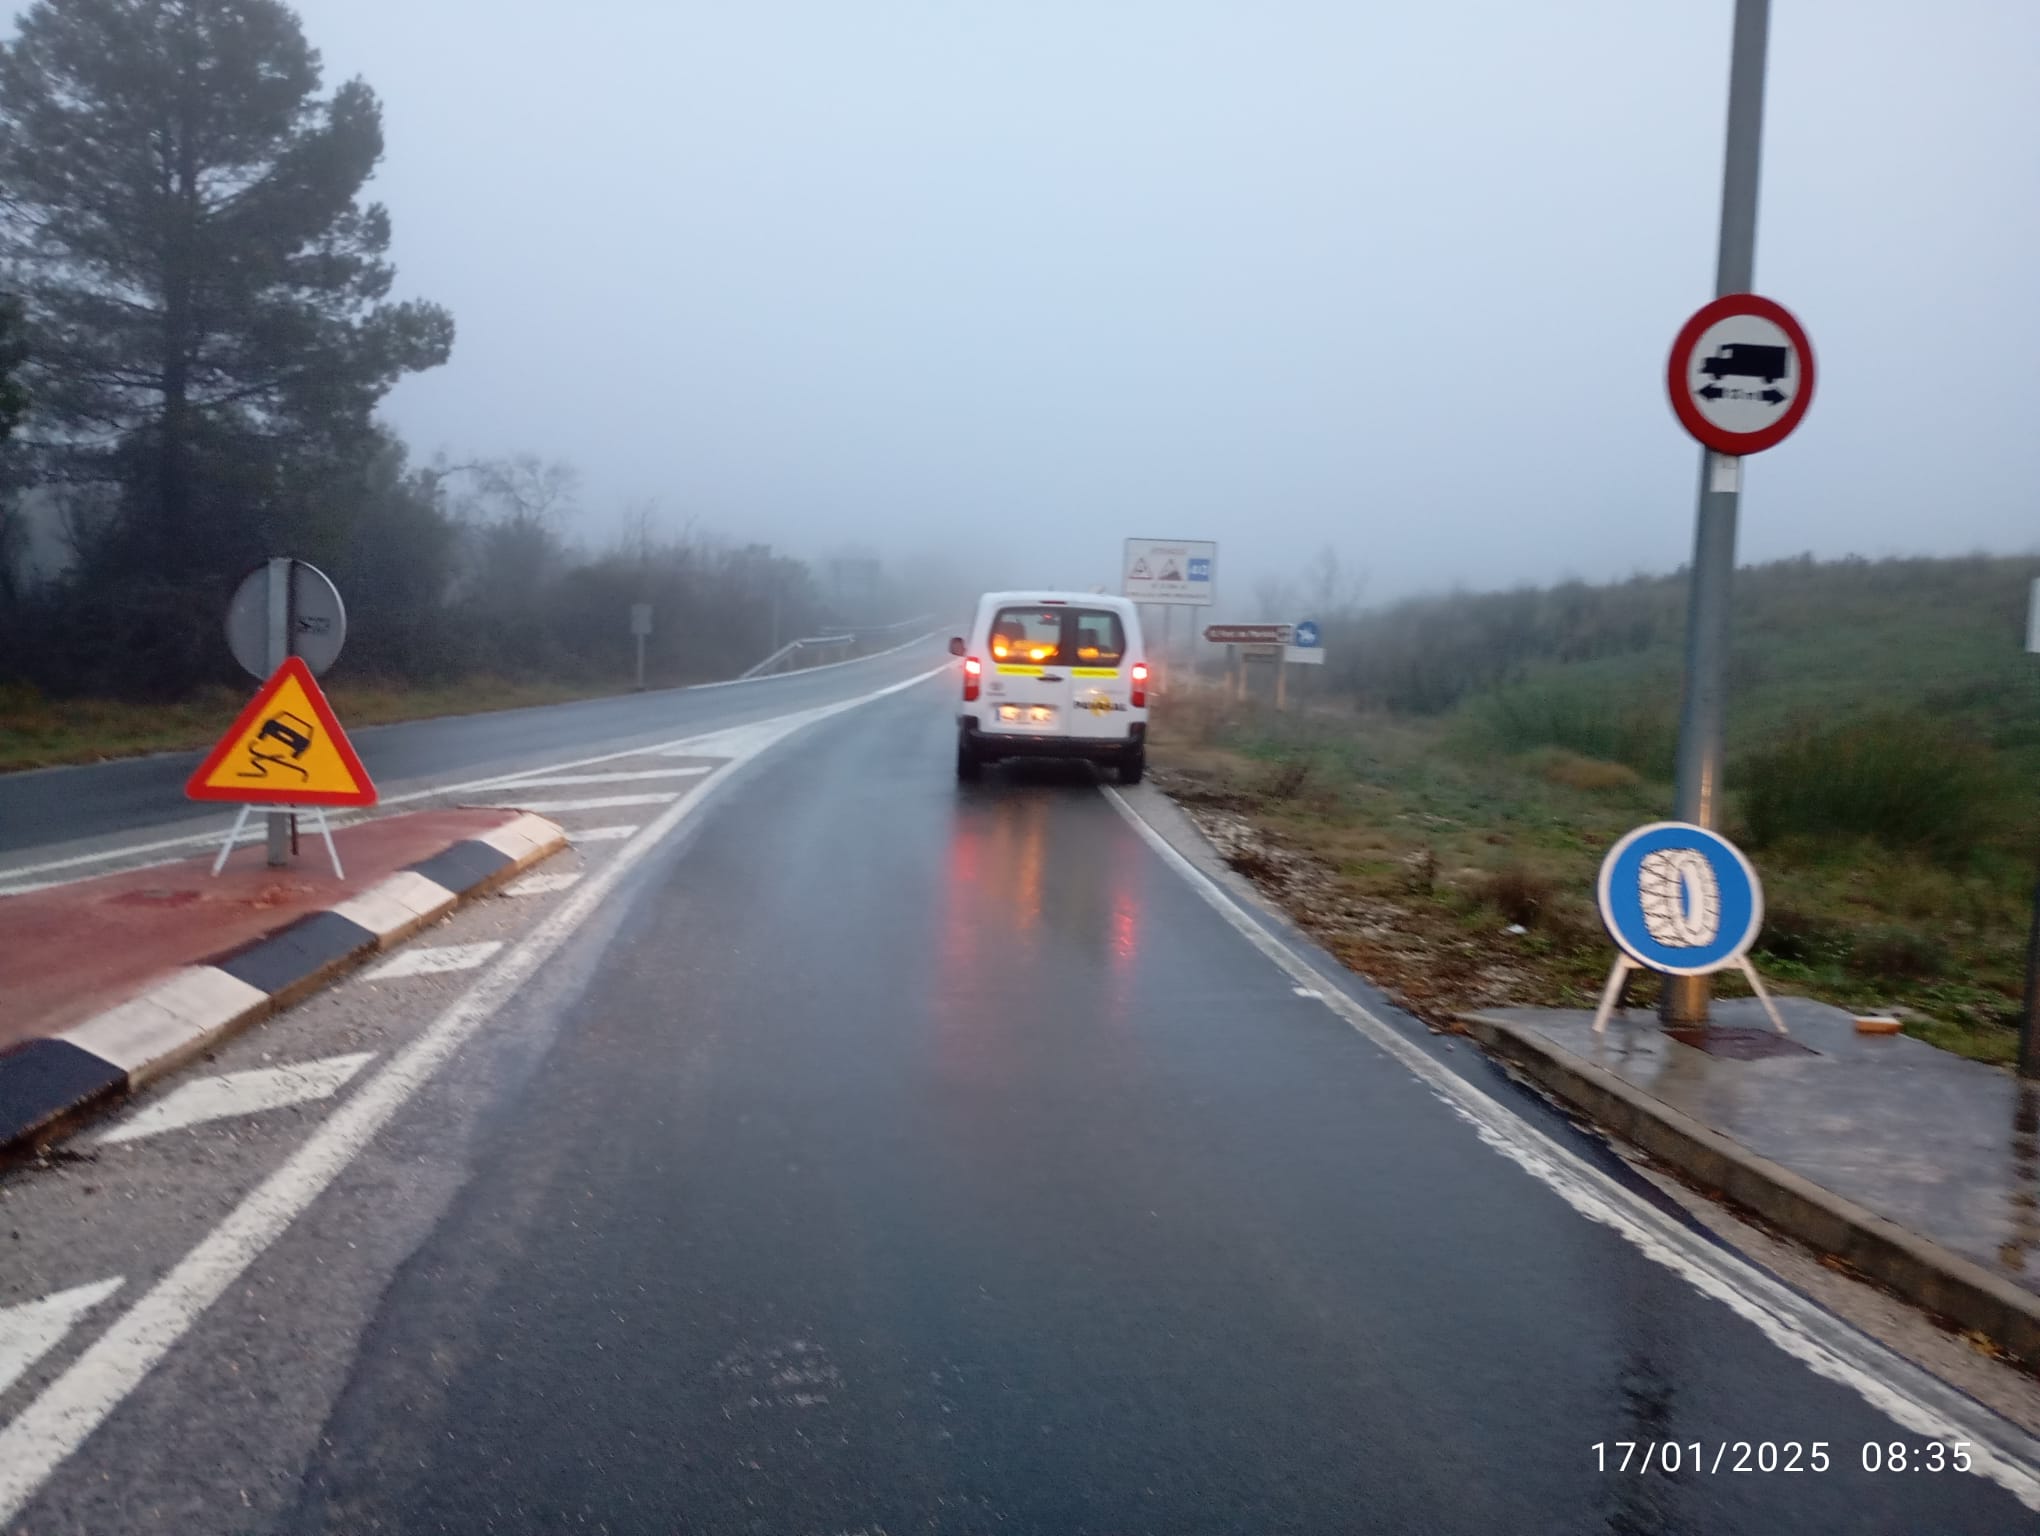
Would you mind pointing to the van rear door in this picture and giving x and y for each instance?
(1101, 682)
(1028, 686)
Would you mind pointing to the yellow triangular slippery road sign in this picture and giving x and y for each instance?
(287, 748)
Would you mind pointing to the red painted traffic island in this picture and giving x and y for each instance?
(68, 952)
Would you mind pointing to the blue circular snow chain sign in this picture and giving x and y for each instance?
(1680, 899)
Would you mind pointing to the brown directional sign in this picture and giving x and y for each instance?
(1248, 634)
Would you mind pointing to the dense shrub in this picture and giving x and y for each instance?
(1900, 779)
(1594, 722)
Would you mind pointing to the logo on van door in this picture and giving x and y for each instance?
(1098, 704)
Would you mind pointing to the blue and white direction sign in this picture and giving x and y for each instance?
(1305, 637)
(1683, 901)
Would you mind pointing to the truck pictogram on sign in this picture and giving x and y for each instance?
(1741, 374)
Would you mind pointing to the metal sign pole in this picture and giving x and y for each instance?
(278, 822)
(2029, 1019)
(1700, 733)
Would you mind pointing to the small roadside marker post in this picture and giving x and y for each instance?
(2029, 1020)
(640, 626)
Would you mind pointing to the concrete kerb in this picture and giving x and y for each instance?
(50, 1086)
(1915, 1267)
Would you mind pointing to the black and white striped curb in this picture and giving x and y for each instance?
(47, 1086)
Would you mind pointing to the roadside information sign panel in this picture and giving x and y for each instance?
(1741, 374)
(1247, 634)
(286, 748)
(1180, 571)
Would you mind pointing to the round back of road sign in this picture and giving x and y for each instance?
(1680, 899)
(318, 619)
(1741, 374)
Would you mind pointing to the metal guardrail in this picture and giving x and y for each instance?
(848, 636)
(793, 648)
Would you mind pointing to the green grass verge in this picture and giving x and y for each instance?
(43, 733)
(1429, 839)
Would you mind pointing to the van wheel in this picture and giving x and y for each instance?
(1132, 764)
(969, 766)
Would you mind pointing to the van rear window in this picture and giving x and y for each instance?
(1027, 636)
(1100, 638)
(1080, 637)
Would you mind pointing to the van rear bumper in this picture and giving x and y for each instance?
(992, 745)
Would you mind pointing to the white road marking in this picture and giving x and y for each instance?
(600, 834)
(32, 1329)
(239, 1093)
(655, 749)
(58, 1421)
(543, 885)
(599, 803)
(434, 960)
(624, 777)
(1829, 1347)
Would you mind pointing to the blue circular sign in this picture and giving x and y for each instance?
(1305, 636)
(1680, 899)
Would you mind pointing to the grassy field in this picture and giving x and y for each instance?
(41, 733)
(1884, 774)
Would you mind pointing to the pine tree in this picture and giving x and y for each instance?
(207, 296)
(13, 398)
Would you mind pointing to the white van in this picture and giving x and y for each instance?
(1053, 674)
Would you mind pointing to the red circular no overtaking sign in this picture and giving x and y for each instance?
(1741, 374)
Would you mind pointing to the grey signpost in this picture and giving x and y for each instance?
(285, 608)
(1685, 998)
(2029, 1018)
(640, 626)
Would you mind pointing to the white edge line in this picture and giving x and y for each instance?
(1829, 1347)
(67, 1411)
(468, 786)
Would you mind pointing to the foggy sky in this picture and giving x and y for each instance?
(1021, 279)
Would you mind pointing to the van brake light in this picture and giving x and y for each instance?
(973, 674)
(1140, 676)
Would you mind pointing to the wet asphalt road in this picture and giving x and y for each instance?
(874, 1154)
(60, 807)
(926, 1159)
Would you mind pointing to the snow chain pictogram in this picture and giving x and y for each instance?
(1680, 898)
